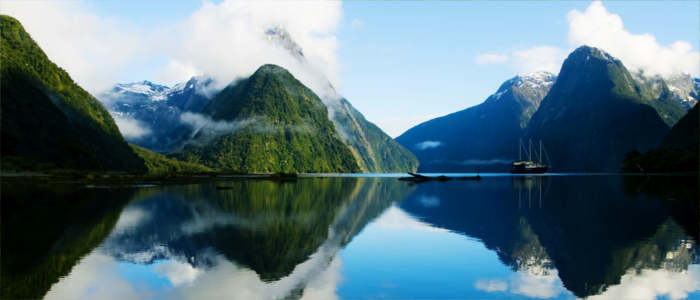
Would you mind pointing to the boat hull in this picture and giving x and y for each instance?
(537, 170)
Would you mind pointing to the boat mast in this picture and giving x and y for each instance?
(529, 151)
(540, 151)
(520, 148)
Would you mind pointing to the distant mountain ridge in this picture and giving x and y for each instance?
(483, 137)
(157, 109)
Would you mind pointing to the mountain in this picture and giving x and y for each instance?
(677, 152)
(157, 109)
(157, 163)
(594, 114)
(670, 102)
(269, 122)
(684, 135)
(373, 149)
(685, 88)
(48, 121)
(484, 136)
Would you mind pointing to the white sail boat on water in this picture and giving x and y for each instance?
(529, 166)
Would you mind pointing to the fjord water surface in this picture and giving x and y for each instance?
(504, 237)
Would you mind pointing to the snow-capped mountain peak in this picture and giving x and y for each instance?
(282, 38)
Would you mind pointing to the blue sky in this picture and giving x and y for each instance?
(399, 63)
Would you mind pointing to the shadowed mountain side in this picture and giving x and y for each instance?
(572, 229)
(677, 152)
(48, 121)
(593, 115)
(484, 136)
(46, 230)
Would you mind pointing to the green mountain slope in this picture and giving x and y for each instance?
(271, 123)
(373, 149)
(594, 114)
(48, 121)
(159, 164)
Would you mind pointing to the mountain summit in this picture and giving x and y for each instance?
(594, 114)
(483, 136)
(269, 122)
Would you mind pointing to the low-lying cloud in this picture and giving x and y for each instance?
(205, 129)
(131, 128)
(428, 145)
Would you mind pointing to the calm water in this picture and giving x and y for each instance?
(545, 237)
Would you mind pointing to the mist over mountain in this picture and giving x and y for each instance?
(162, 118)
(276, 125)
(149, 114)
(374, 150)
(48, 121)
(483, 137)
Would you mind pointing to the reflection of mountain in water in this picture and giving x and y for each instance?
(590, 228)
(47, 229)
(267, 226)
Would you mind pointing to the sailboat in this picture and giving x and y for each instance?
(529, 166)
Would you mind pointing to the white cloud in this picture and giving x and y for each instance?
(539, 58)
(223, 40)
(396, 126)
(131, 128)
(526, 284)
(491, 58)
(178, 273)
(653, 284)
(131, 217)
(428, 145)
(227, 40)
(491, 285)
(357, 24)
(536, 286)
(599, 28)
(91, 48)
(95, 277)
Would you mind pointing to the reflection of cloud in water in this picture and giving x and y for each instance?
(395, 218)
(494, 285)
(100, 276)
(650, 284)
(96, 277)
(526, 284)
(178, 273)
(130, 218)
(429, 201)
(536, 286)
